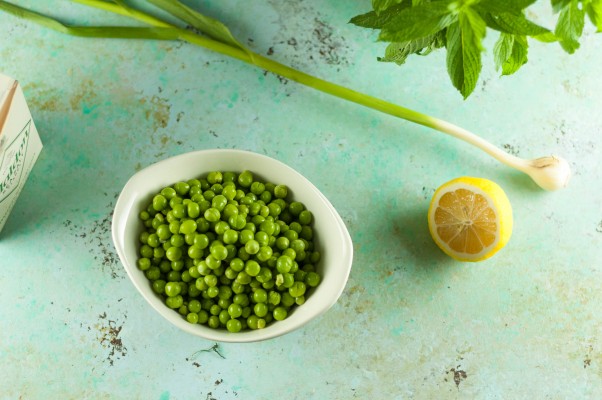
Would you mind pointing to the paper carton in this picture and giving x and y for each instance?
(20, 144)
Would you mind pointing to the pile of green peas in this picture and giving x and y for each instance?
(229, 251)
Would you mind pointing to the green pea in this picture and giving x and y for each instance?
(291, 235)
(290, 253)
(241, 299)
(252, 246)
(188, 226)
(245, 236)
(260, 309)
(252, 322)
(212, 215)
(158, 253)
(286, 281)
(219, 252)
(172, 289)
(174, 276)
(159, 202)
(245, 179)
(229, 177)
(267, 226)
(213, 322)
(280, 313)
(260, 296)
(312, 279)
(165, 266)
(264, 253)
(175, 201)
(235, 310)
(280, 191)
(144, 215)
(177, 240)
(215, 177)
(230, 210)
(159, 286)
(200, 284)
(237, 222)
(230, 273)
(212, 291)
(284, 264)
(181, 188)
(264, 211)
(297, 289)
(257, 188)
(195, 252)
(237, 264)
(219, 202)
(266, 197)
(237, 288)
(178, 211)
(243, 278)
(265, 275)
(192, 317)
(230, 236)
(282, 243)
(153, 273)
(174, 302)
(252, 268)
(194, 272)
(295, 208)
(287, 300)
(173, 253)
(212, 262)
(215, 310)
(305, 217)
(229, 192)
(234, 325)
(273, 298)
(315, 257)
(223, 303)
(163, 232)
(221, 227)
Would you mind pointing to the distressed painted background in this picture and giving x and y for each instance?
(411, 323)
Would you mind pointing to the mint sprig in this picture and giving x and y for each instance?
(459, 26)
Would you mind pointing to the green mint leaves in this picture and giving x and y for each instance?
(421, 26)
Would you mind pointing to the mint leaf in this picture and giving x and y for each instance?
(377, 21)
(503, 6)
(399, 52)
(569, 26)
(517, 56)
(419, 21)
(514, 24)
(502, 50)
(382, 5)
(558, 5)
(593, 8)
(464, 48)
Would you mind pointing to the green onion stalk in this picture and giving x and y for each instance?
(550, 172)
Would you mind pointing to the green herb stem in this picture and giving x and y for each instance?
(357, 97)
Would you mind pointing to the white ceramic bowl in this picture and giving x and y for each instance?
(331, 235)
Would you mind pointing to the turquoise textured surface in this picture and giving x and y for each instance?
(411, 323)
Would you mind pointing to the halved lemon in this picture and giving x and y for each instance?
(470, 219)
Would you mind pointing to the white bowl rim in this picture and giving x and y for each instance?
(131, 195)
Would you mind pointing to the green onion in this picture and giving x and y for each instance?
(550, 173)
